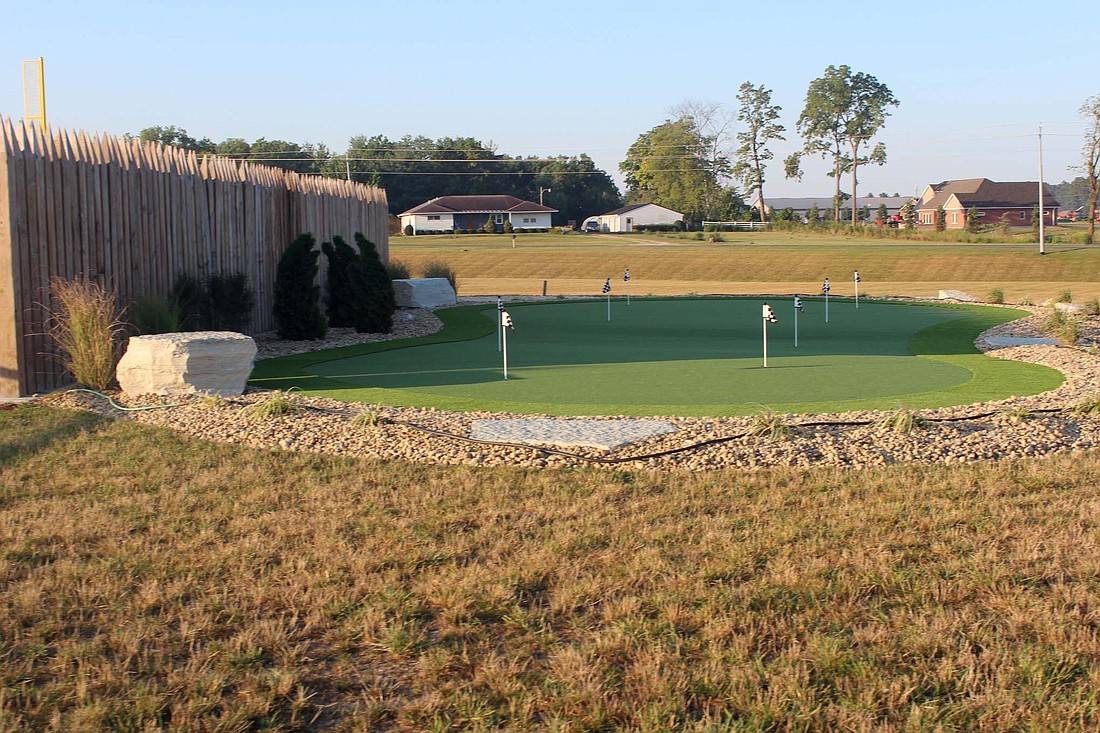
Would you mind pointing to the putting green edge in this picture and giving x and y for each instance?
(992, 379)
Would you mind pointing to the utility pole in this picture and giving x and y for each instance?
(1042, 235)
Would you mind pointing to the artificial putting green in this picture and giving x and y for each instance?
(691, 357)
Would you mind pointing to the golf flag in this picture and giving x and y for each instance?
(626, 275)
(769, 315)
(607, 286)
(825, 287)
(500, 304)
(798, 304)
(506, 320)
(825, 291)
(500, 337)
(855, 276)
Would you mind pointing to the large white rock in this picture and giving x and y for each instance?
(1070, 309)
(957, 295)
(215, 362)
(424, 292)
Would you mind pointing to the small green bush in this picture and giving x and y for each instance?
(408, 230)
(438, 268)
(377, 301)
(230, 302)
(1092, 307)
(996, 295)
(343, 296)
(489, 227)
(508, 228)
(190, 296)
(149, 314)
(85, 324)
(297, 296)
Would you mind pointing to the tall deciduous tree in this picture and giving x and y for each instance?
(843, 113)
(760, 118)
(666, 166)
(1090, 157)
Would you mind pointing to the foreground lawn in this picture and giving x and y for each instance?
(152, 582)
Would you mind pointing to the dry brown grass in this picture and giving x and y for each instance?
(751, 263)
(152, 582)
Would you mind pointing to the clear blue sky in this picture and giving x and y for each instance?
(974, 79)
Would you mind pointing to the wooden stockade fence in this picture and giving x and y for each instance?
(133, 216)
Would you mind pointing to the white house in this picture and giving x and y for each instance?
(450, 213)
(627, 218)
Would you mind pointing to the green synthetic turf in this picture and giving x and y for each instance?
(677, 357)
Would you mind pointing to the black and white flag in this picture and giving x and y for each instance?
(769, 315)
(506, 319)
(825, 286)
(626, 275)
(500, 304)
(857, 279)
(607, 286)
(798, 304)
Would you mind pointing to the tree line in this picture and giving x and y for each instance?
(689, 163)
(414, 169)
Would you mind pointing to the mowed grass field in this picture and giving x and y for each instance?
(152, 582)
(751, 262)
(689, 356)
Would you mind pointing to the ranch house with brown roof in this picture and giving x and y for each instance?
(995, 202)
(451, 213)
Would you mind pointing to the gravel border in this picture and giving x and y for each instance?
(428, 435)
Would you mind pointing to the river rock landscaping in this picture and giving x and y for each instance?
(1034, 425)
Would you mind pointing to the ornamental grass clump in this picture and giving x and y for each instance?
(901, 420)
(85, 324)
(369, 417)
(277, 404)
(769, 425)
(438, 268)
(1012, 416)
(1062, 326)
(1087, 406)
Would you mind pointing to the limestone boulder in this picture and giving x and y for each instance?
(424, 292)
(957, 295)
(1071, 309)
(215, 362)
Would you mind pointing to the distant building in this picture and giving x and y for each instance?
(448, 213)
(629, 217)
(824, 204)
(1011, 202)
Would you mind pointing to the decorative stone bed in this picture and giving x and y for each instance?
(441, 437)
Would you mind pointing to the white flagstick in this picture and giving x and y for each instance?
(825, 289)
(798, 306)
(500, 327)
(856, 278)
(504, 335)
(626, 277)
(765, 342)
(768, 315)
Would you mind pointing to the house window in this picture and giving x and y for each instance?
(499, 218)
(954, 217)
(433, 218)
(1023, 216)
